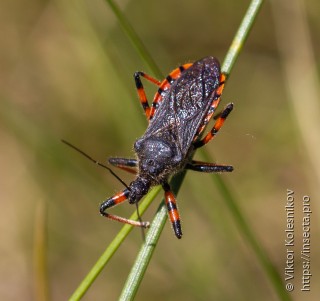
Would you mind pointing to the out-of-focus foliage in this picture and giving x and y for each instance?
(66, 72)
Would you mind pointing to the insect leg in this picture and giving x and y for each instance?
(141, 92)
(129, 165)
(214, 104)
(173, 212)
(208, 167)
(217, 126)
(116, 200)
(165, 84)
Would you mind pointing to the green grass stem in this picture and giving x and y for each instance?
(112, 248)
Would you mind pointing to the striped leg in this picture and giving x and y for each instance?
(214, 105)
(141, 92)
(129, 165)
(173, 212)
(116, 200)
(165, 84)
(208, 167)
(217, 126)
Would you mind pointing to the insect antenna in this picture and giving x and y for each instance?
(95, 161)
(112, 172)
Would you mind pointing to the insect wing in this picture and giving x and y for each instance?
(186, 104)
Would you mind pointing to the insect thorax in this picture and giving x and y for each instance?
(158, 159)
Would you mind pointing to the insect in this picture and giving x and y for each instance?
(183, 105)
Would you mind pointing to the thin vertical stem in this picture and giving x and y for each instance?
(241, 36)
(142, 261)
(134, 38)
(40, 253)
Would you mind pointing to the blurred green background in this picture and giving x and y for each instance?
(66, 72)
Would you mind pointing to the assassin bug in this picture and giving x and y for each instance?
(184, 103)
